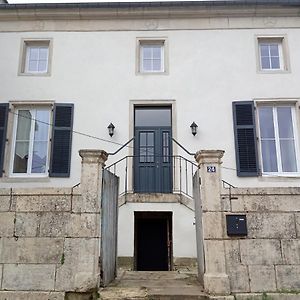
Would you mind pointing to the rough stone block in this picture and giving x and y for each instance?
(28, 277)
(80, 270)
(217, 284)
(252, 296)
(272, 202)
(221, 297)
(214, 256)
(291, 252)
(298, 225)
(262, 278)
(1, 268)
(239, 278)
(31, 250)
(213, 225)
(53, 224)
(232, 252)
(7, 224)
(27, 224)
(4, 203)
(237, 205)
(83, 225)
(36, 203)
(260, 252)
(288, 277)
(85, 204)
(5, 295)
(271, 225)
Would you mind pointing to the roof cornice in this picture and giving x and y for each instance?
(133, 10)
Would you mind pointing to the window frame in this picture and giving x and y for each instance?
(283, 53)
(26, 44)
(275, 105)
(162, 41)
(29, 174)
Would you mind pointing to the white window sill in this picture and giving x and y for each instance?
(25, 179)
(281, 175)
(274, 71)
(37, 74)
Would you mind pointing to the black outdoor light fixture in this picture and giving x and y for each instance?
(194, 127)
(111, 129)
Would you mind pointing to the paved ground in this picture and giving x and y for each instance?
(181, 284)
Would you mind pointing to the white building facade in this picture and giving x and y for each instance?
(151, 69)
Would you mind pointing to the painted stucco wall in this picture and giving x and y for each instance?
(211, 62)
(184, 237)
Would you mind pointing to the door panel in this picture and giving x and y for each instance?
(153, 161)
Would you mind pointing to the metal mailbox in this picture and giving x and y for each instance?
(236, 225)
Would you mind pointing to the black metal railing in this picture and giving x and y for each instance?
(176, 174)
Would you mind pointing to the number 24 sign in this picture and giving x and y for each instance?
(211, 169)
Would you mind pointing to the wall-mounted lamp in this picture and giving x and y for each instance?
(111, 129)
(194, 127)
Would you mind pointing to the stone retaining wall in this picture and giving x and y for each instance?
(47, 243)
(268, 259)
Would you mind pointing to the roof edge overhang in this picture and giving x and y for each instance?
(168, 9)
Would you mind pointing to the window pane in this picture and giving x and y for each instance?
(156, 65)
(285, 123)
(39, 157)
(150, 139)
(269, 156)
(24, 125)
(43, 53)
(274, 50)
(157, 52)
(33, 66)
(288, 156)
(33, 53)
(275, 63)
(266, 122)
(265, 63)
(143, 138)
(21, 157)
(147, 52)
(147, 65)
(41, 126)
(152, 117)
(264, 50)
(150, 154)
(42, 66)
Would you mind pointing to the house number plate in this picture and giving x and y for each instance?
(211, 169)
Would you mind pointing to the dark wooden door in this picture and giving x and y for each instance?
(153, 160)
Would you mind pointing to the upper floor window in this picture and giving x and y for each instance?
(36, 57)
(278, 139)
(272, 54)
(151, 56)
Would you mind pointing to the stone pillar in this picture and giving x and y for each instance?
(216, 281)
(92, 162)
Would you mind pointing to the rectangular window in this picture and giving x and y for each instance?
(31, 141)
(36, 57)
(272, 54)
(278, 139)
(151, 56)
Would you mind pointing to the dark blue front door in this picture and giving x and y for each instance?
(153, 151)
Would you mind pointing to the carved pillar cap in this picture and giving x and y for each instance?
(209, 156)
(93, 156)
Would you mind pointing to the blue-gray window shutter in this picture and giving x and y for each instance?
(3, 127)
(61, 145)
(245, 138)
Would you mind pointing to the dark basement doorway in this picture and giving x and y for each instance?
(153, 241)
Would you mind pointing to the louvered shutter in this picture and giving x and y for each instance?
(61, 140)
(3, 127)
(245, 138)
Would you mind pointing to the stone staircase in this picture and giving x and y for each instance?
(175, 285)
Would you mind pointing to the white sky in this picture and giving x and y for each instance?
(73, 1)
